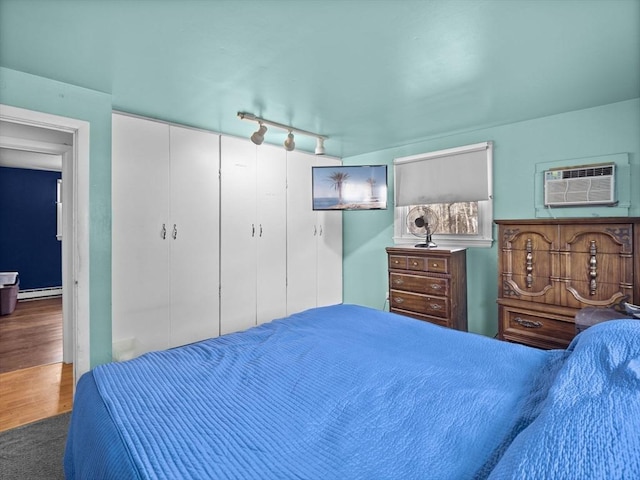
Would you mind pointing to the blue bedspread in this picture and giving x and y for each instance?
(589, 427)
(341, 392)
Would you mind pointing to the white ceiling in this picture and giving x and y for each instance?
(370, 74)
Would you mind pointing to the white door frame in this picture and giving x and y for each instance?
(75, 228)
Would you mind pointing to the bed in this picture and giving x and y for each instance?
(348, 392)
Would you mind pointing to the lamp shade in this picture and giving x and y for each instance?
(258, 135)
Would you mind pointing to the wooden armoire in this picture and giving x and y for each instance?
(548, 269)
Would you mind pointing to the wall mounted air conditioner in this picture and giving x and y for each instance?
(584, 185)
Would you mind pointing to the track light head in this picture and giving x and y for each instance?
(320, 146)
(258, 135)
(289, 143)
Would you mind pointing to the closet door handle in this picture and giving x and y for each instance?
(174, 234)
(253, 229)
(163, 232)
(260, 230)
(315, 230)
(320, 230)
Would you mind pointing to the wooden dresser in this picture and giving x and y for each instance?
(550, 269)
(429, 285)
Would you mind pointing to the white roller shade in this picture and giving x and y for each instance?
(456, 175)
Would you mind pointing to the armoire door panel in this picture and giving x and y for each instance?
(329, 249)
(238, 234)
(612, 238)
(329, 259)
(540, 238)
(140, 233)
(194, 237)
(302, 234)
(522, 286)
(271, 255)
(578, 294)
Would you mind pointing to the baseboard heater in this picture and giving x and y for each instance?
(39, 293)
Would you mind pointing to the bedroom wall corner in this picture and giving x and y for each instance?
(41, 94)
(518, 147)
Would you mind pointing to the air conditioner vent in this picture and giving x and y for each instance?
(588, 185)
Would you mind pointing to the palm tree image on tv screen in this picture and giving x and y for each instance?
(360, 187)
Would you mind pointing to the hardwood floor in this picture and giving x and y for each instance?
(35, 393)
(34, 383)
(31, 335)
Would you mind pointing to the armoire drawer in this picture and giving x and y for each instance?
(538, 329)
(419, 284)
(425, 304)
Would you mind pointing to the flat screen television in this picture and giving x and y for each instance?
(353, 187)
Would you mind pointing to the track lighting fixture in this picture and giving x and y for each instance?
(289, 144)
(258, 136)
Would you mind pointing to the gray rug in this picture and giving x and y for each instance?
(34, 451)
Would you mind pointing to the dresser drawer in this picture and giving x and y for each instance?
(425, 304)
(537, 329)
(437, 265)
(428, 264)
(420, 284)
(429, 284)
(443, 322)
(398, 262)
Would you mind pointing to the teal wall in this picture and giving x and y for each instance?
(40, 94)
(518, 147)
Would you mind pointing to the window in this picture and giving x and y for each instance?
(456, 186)
(59, 209)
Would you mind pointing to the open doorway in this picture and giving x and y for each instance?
(31, 171)
(74, 156)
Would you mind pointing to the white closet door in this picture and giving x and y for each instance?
(302, 234)
(193, 235)
(329, 257)
(271, 260)
(238, 234)
(140, 266)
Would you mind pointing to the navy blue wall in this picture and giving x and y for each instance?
(28, 242)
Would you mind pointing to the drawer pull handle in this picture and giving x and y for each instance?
(529, 263)
(415, 264)
(396, 261)
(435, 265)
(527, 323)
(398, 300)
(436, 286)
(593, 267)
(435, 306)
(398, 281)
